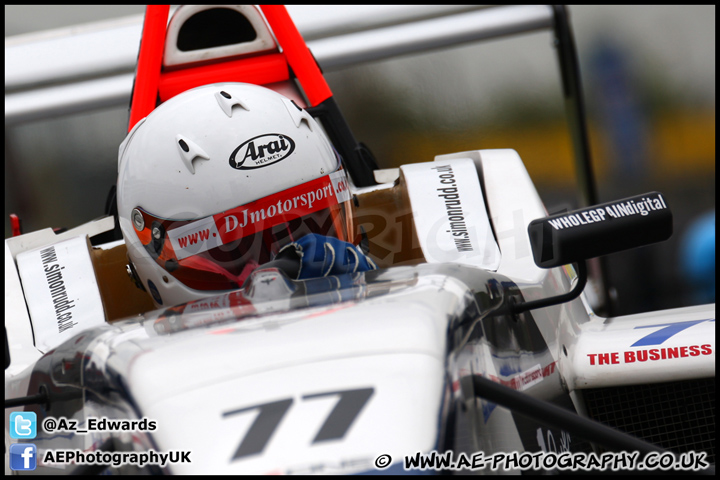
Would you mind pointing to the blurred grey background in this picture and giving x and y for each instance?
(649, 80)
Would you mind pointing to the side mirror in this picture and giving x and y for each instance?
(575, 236)
(599, 230)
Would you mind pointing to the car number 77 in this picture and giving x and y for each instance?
(336, 425)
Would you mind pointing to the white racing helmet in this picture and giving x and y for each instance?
(216, 180)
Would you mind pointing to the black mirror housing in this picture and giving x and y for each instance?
(599, 230)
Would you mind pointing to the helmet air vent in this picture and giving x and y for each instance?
(298, 115)
(227, 102)
(190, 151)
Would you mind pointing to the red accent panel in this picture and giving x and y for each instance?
(298, 55)
(147, 76)
(15, 225)
(257, 70)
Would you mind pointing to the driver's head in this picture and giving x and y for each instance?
(215, 180)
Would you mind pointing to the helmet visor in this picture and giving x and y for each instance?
(219, 251)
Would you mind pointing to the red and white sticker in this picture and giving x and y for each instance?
(648, 355)
(526, 379)
(239, 222)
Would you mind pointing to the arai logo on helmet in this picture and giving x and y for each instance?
(262, 151)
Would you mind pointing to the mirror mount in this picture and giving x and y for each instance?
(581, 269)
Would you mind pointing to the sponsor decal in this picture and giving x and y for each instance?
(60, 290)
(54, 278)
(519, 381)
(649, 355)
(616, 210)
(341, 186)
(658, 334)
(262, 151)
(449, 213)
(524, 380)
(237, 223)
(454, 209)
(664, 331)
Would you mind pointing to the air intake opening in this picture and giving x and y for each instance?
(215, 28)
(678, 416)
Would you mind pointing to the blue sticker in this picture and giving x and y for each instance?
(154, 292)
(668, 330)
